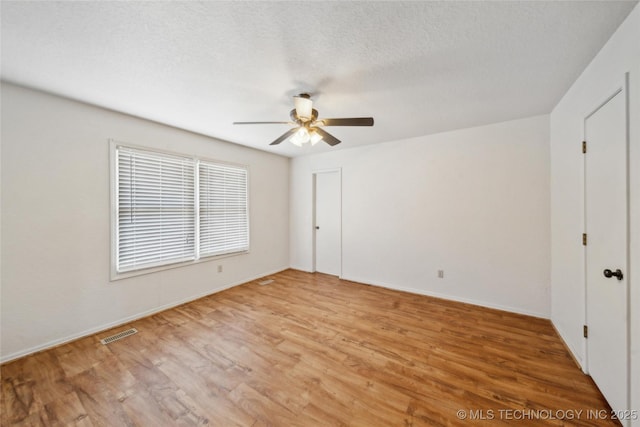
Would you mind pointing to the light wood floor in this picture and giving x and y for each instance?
(307, 350)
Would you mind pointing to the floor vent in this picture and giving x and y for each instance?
(118, 336)
(265, 282)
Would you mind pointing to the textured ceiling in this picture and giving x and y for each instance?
(417, 67)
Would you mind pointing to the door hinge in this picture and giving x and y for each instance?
(584, 146)
(585, 331)
(584, 239)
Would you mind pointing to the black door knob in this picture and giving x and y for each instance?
(317, 227)
(608, 274)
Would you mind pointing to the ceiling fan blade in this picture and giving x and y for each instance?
(353, 121)
(327, 137)
(284, 136)
(263, 123)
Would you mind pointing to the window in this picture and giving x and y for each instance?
(224, 222)
(156, 221)
(172, 209)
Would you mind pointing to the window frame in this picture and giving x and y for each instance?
(114, 238)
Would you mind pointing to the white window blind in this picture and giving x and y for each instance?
(224, 216)
(155, 209)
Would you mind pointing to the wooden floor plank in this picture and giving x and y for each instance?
(306, 350)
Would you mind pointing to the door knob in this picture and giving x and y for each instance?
(317, 227)
(608, 273)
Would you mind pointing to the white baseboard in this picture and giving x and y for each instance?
(450, 297)
(128, 319)
(305, 270)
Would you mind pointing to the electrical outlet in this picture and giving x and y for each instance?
(219, 269)
(441, 274)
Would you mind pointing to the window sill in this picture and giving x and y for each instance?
(115, 276)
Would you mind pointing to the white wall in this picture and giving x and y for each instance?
(621, 54)
(473, 202)
(56, 229)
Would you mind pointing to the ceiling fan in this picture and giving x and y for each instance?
(307, 126)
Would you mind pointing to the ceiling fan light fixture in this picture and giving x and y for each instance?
(303, 106)
(315, 137)
(300, 137)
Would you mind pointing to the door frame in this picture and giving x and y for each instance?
(619, 87)
(314, 174)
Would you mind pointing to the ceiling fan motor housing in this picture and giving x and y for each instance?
(301, 120)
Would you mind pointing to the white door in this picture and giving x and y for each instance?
(606, 250)
(327, 222)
